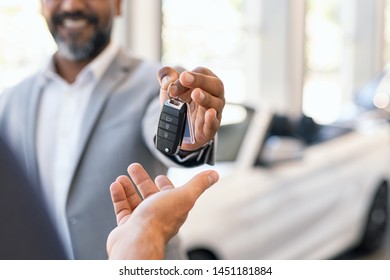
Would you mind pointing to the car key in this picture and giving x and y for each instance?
(171, 125)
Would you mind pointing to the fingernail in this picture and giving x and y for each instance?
(202, 96)
(213, 178)
(188, 77)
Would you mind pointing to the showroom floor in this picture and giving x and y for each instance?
(381, 254)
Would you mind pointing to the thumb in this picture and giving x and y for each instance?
(199, 183)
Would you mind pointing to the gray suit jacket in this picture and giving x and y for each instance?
(117, 130)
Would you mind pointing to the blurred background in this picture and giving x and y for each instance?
(308, 55)
(295, 56)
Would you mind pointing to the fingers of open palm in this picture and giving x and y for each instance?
(132, 196)
(163, 182)
(119, 200)
(142, 180)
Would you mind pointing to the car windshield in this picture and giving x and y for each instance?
(235, 122)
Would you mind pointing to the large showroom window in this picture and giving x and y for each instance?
(231, 38)
(322, 93)
(25, 40)
(213, 34)
(249, 44)
(343, 51)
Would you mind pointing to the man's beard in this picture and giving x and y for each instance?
(82, 51)
(79, 51)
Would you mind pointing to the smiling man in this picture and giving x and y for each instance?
(94, 109)
(80, 33)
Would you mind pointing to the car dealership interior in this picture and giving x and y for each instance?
(303, 147)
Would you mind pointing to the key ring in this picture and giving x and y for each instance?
(169, 90)
(173, 97)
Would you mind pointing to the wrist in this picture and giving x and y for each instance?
(136, 243)
(148, 241)
(188, 149)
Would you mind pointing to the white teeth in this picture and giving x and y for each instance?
(75, 23)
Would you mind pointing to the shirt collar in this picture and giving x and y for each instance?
(101, 63)
(97, 67)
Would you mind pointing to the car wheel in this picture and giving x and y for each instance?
(376, 224)
(201, 254)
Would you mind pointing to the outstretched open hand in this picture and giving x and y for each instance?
(147, 223)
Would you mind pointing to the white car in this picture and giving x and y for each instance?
(291, 189)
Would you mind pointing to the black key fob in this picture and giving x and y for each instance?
(171, 126)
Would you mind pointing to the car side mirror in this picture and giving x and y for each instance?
(281, 148)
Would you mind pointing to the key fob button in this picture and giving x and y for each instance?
(167, 135)
(169, 118)
(167, 126)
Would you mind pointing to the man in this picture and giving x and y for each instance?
(144, 226)
(92, 111)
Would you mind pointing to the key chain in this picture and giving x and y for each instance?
(174, 127)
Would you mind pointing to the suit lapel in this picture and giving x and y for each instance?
(34, 97)
(114, 76)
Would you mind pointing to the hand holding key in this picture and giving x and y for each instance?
(204, 92)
